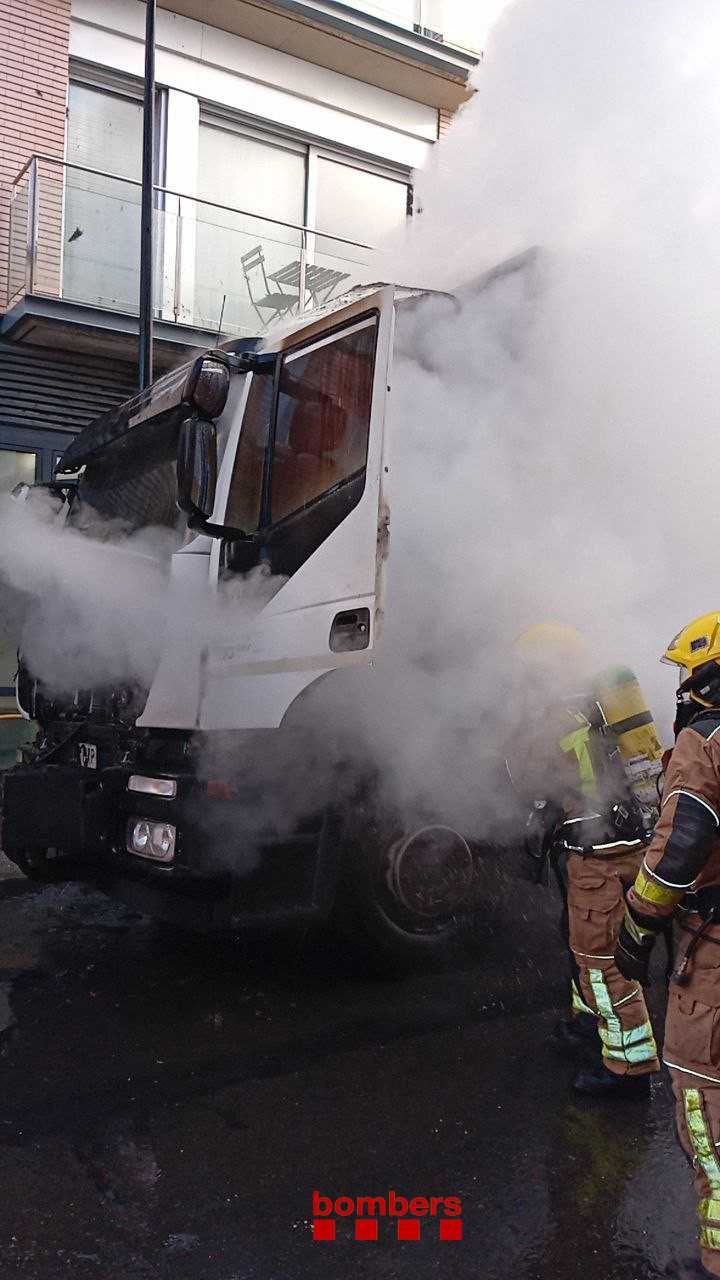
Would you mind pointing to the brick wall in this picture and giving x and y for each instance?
(34, 37)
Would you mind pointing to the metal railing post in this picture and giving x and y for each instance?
(9, 291)
(303, 272)
(33, 226)
(147, 206)
(177, 283)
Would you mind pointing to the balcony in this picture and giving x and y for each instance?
(74, 260)
(425, 51)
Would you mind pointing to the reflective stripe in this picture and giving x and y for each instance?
(577, 743)
(588, 817)
(710, 1238)
(646, 1052)
(702, 1145)
(669, 883)
(653, 892)
(681, 792)
(578, 1003)
(613, 1027)
(633, 1046)
(585, 956)
(625, 999)
(709, 1210)
(636, 930)
(615, 844)
(686, 1071)
(634, 1036)
(602, 998)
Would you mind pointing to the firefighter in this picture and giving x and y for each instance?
(593, 826)
(680, 877)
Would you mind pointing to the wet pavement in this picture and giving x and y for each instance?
(168, 1106)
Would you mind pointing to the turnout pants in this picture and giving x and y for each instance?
(596, 904)
(692, 1052)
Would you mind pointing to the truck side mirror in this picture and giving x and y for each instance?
(197, 467)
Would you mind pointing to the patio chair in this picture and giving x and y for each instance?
(261, 296)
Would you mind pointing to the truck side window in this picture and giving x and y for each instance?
(243, 506)
(323, 418)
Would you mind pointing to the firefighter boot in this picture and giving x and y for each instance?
(598, 1082)
(577, 1037)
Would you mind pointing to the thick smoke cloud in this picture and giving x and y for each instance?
(554, 447)
(556, 440)
(91, 611)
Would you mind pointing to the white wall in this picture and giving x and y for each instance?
(263, 83)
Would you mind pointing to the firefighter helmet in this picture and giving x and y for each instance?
(551, 639)
(697, 649)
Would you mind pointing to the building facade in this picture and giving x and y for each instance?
(287, 134)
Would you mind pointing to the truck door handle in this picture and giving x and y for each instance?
(350, 631)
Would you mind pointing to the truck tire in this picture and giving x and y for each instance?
(406, 894)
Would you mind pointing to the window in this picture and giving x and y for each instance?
(244, 499)
(236, 255)
(16, 466)
(101, 250)
(323, 418)
(356, 204)
(247, 268)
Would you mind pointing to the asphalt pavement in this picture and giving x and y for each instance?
(169, 1106)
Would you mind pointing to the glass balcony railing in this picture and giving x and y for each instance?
(75, 234)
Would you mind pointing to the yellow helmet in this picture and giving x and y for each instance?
(697, 644)
(551, 639)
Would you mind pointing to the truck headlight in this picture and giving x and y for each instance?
(140, 837)
(150, 839)
(153, 786)
(162, 839)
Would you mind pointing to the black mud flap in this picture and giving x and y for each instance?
(50, 806)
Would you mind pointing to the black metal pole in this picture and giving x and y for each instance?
(145, 332)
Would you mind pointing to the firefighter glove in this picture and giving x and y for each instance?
(634, 945)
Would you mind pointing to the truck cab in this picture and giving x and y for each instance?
(223, 789)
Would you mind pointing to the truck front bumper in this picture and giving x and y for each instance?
(220, 875)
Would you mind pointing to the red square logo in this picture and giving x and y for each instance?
(323, 1228)
(366, 1229)
(451, 1229)
(408, 1229)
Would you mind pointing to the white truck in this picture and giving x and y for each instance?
(217, 797)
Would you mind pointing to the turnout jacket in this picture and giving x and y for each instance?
(684, 853)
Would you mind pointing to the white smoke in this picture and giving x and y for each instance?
(556, 443)
(554, 439)
(91, 611)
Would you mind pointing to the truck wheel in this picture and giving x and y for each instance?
(407, 894)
